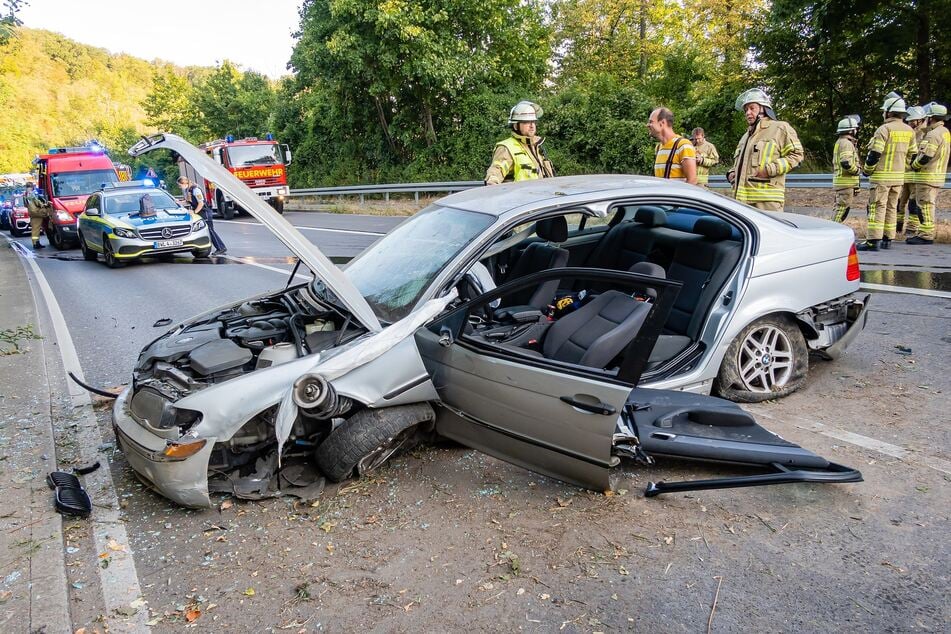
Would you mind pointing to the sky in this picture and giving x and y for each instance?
(254, 34)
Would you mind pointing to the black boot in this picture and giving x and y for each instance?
(886, 243)
(868, 245)
(38, 245)
(918, 240)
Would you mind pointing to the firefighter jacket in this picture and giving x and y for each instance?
(894, 143)
(37, 207)
(911, 176)
(707, 157)
(845, 153)
(518, 158)
(768, 145)
(934, 152)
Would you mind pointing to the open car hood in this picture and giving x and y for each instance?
(326, 271)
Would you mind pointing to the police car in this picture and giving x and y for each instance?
(133, 219)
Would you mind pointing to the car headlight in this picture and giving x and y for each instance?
(200, 224)
(64, 216)
(124, 233)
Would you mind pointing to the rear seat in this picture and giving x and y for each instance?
(702, 266)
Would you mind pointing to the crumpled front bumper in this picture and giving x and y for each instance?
(184, 481)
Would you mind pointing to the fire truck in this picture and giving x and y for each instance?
(261, 164)
(67, 176)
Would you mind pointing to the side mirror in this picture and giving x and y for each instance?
(92, 211)
(287, 153)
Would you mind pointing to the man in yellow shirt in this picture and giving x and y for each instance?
(675, 157)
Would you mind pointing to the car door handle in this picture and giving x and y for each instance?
(594, 408)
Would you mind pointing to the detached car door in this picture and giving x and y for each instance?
(554, 418)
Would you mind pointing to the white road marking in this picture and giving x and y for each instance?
(873, 444)
(927, 292)
(353, 231)
(250, 260)
(119, 580)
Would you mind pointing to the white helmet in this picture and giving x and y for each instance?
(893, 103)
(915, 113)
(525, 111)
(935, 109)
(755, 95)
(849, 124)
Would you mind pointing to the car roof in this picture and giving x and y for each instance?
(112, 191)
(501, 199)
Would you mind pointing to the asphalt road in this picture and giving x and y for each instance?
(447, 538)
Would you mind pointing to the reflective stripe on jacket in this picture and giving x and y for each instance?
(845, 151)
(911, 176)
(936, 146)
(773, 146)
(895, 141)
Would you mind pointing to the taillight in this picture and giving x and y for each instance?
(852, 272)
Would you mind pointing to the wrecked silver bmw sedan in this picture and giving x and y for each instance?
(541, 322)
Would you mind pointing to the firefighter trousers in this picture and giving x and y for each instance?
(908, 208)
(36, 225)
(882, 211)
(843, 202)
(927, 196)
(767, 205)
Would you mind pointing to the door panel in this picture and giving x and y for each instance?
(515, 412)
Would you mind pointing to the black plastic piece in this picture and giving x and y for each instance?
(73, 501)
(833, 473)
(89, 468)
(63, 479)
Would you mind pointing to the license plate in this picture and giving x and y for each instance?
(161, 244)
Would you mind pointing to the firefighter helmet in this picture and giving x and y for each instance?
(525, 112)
(935, 109)
(849, 124)
(893, 103)
(756, 95)
(915, 113)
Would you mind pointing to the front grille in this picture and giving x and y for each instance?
(165, 233)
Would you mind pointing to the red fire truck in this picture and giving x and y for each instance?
(260, 163)
(67, 176)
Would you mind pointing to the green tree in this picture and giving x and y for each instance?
(9, 20)
(229, 101)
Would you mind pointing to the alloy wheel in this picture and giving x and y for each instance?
(765, 359)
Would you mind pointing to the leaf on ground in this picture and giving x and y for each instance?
(327, 526)
(192, 615)
(249, 592)
(115, 546)
(227, 504)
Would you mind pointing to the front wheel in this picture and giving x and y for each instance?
(56, 237)
(226, 207)
(370, 437)
(16, 233)
(278, 205)
(201, 253)
(767, 360)
(109, 254)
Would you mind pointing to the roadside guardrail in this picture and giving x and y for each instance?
(793, 181)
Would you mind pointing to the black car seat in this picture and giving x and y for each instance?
(540, 256)
(597, 332)
(702, 266)
(652, 270)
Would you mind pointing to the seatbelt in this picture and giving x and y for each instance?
(670, 157)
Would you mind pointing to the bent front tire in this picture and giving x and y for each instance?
(769, 359)
(371, 437)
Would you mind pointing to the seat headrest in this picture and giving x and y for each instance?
(712, 228)
(552, 229)
(649, 268)
(650, 216)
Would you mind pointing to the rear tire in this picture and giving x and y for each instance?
(88, 254)
(370, 437)
(769, 359)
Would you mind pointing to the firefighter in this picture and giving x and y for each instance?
(931, 165)
(845, 165)
(767, 151)
(520, 157)
(707, 156)
(39, 210)
(908, 210)
(891, 148)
